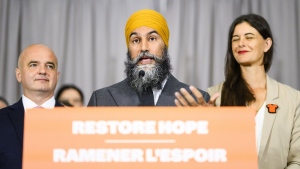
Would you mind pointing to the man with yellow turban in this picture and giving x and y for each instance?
(149, 81)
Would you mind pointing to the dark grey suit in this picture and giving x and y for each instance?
(11, 135)
(121, 94)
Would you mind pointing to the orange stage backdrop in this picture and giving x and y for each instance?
(140, 137)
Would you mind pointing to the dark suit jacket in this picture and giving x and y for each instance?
(121, 94)
(11, 135)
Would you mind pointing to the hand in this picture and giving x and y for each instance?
(184, 98)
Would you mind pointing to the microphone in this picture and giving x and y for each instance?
(141, 73)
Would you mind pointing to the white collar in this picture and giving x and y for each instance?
(157, 92)
(29, 104)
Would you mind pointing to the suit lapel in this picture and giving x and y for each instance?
(124, 95)
(272, 95)
(57, 104)
(16, 116)
(121, 92)
(167, 95)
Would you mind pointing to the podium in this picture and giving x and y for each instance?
(140, 137)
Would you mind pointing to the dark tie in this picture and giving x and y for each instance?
(147, 98)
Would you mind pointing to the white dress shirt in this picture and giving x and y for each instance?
(29, 104)
(156, 92)
(259, 121)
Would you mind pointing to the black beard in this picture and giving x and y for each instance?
(154, 74)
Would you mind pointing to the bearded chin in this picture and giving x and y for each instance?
(155, 74)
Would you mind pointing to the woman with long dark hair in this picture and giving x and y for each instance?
(277, 106)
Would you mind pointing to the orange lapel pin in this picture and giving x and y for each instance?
(272, 108)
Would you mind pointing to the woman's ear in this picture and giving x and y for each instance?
(268, 44)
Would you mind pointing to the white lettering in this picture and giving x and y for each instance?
(59, 155)
(182, 127)
(124, 127)
(98, 155)
(149, 155)
(137, 155)
(101, 127)
(78, 127)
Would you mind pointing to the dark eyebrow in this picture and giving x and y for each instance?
(134, 33)
(32, 61)
(48, 63)
(249, 34)
(153, 32)
(245, 34)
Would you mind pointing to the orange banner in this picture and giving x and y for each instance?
(140, 137)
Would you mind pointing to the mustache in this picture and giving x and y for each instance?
(154, 75)
(145, 54)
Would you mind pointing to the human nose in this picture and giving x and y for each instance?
(42, 70)
(145, 46)
(242, 42)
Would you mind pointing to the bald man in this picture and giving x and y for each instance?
(149, 81)
(38, 74)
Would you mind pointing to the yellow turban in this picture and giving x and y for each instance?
(149, 18)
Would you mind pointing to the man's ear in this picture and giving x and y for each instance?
(268, 44)
(18, 75)
(58, 74)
